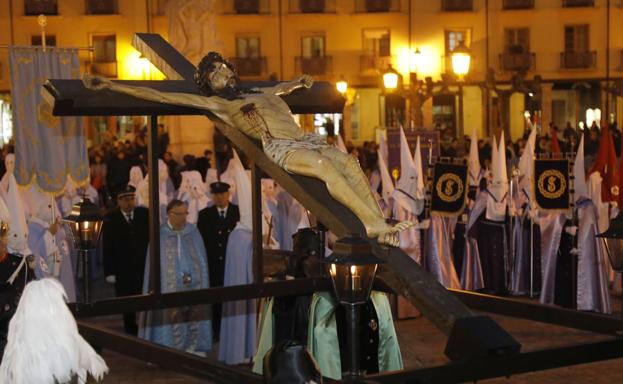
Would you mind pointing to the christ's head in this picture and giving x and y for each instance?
(216, 76)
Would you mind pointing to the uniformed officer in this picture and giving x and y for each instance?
(125, 238)
(215, 223)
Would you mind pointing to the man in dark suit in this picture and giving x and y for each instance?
(125, 238)
(215, 223)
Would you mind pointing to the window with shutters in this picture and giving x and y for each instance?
(313, 59)
(248, 47)
(453, 37)
(376, 42)
(39, 7)
(517, 40)
(312, 46)
(101, 7)
(576, 38)
(104, 55)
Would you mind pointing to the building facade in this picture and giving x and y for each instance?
(573, 47)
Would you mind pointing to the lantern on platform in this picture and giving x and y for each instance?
(85, 221)
(352, 267)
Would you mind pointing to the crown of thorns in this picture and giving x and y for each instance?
(206, 65)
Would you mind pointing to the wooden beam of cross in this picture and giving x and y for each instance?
(400, 272)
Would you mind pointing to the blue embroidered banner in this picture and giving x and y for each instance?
(48, 149)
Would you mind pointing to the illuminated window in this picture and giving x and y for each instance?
(376, 42)
(6, 122)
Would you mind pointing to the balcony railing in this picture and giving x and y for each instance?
(101, 7)
(312, 6)
(246, 7)
(371, 6)
(314, 65)
(371, 62)
(457, 5)
(521, 62)
(578, 60)
(518, 4)
(578, 3)
(247, 66)
(107, 69)
(38, 7)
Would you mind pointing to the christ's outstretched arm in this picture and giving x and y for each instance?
(216, 105)
(287, 87)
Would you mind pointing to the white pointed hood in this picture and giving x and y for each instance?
(503, 175)
(43, 205)
(473, 162)
(580, 186)
(9, 164)
(18, 231)
(5, 216)
(406, 193)
(136, 176)
(498, 189)
(383, 151)
(386, 180)
(526, 163)
(494, 157)
(243, 188)
(420, 193)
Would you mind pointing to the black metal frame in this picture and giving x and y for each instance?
(473, 369)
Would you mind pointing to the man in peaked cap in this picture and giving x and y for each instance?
(125, 237)
(215, 223)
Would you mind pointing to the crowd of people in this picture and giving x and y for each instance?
(202, 205)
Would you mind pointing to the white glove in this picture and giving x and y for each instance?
(111, 279)
(424, 224)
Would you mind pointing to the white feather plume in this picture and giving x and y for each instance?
(43, 344)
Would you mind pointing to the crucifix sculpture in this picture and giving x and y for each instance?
(400, 272)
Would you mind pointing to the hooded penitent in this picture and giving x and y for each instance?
(136, 176)
(238, 320)
(592, 281)
(44, 345)
(192, 191)
(473, 161)
(498, 189)
(409, 192)
(18, 230)
(9, 163)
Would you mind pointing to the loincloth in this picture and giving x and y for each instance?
(279, 150)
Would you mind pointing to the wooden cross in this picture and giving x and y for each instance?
(400, 272)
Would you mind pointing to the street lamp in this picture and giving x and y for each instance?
(85, 222)
(341, 85)
(461, 60)
(390, 79)
(352, 267)
(394, 99)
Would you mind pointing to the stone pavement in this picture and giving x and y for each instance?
(422, 345)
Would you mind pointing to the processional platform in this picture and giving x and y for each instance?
(471, 337)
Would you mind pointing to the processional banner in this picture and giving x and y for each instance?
(48, 149)
(429, 147)
(551, 184)
(449, 189)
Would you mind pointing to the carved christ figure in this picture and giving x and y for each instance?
(262, 114)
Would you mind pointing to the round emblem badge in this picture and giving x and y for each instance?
(449, 187)
(552, 184)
